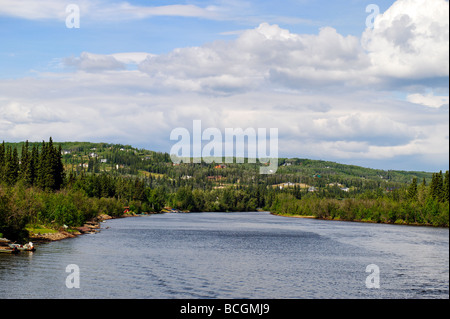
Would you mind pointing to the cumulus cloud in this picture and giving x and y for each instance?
(374, 128)
(322, 91)
(407, 46)
(410, 40)
(429, 99)
(131, 57)
(265, 55)
(94, 62)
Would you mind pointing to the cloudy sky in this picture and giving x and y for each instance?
(339, 83)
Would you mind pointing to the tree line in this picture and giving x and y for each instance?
(36, 189)
(417, 204)
(41, 167)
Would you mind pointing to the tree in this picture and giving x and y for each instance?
(437, 187)
(184, 198)
(59, 173)
(31, 174)
(11, 166)
(446, 187)
(50, 169)
(25, 163)
(412, 190)
(156, 198)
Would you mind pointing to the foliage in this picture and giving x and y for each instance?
(57, 184)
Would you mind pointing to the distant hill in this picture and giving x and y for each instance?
(66, 184)
(119, 159)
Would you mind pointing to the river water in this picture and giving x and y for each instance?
(234, 255)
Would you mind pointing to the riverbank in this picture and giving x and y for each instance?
(397, 222)
(94, 225)
(91, 226)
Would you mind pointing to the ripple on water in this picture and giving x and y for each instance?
(239, 255)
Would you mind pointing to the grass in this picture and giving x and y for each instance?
(148, 174)
(40, 229)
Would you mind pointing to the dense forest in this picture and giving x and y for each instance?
(56, 185)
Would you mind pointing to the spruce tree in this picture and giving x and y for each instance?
(24, 162)
(11, 166)
(59, 168)
(41, 172)
(437, 187)
(50, 169)
(440, 190)
(446, 187)
(32, 168)
(412, 190)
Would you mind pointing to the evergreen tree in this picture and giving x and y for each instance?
(41, 174)
(24, 162)
(11, 166)
(59, 173)
(412, 190)
(50, 169)
(437, 187)
(32, 166)
(446, 187)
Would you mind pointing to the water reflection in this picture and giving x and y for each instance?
(234, 255)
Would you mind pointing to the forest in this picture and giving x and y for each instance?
(56, 185)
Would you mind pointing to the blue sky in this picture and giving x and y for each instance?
(32, 44)
(335, 88)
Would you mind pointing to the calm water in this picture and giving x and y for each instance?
(234, 255)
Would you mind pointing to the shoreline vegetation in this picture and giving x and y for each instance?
(66, 189)
(89, 227)
(430, 212)
(369, 221)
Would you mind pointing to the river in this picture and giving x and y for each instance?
(234, 255)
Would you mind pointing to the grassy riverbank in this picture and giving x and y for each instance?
(428, 213)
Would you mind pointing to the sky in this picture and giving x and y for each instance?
(355, 82)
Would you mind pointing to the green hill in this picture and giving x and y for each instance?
(65, 184)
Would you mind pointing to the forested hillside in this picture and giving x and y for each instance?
(65, 184)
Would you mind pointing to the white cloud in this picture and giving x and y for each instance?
(94, 62)
(321, 91)
(267, 54)
(408, 45)
(125, 11)
(131, 57)
(34, 10)
(429, 99)
(410, 40)
(123, 106)
(99, 10)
